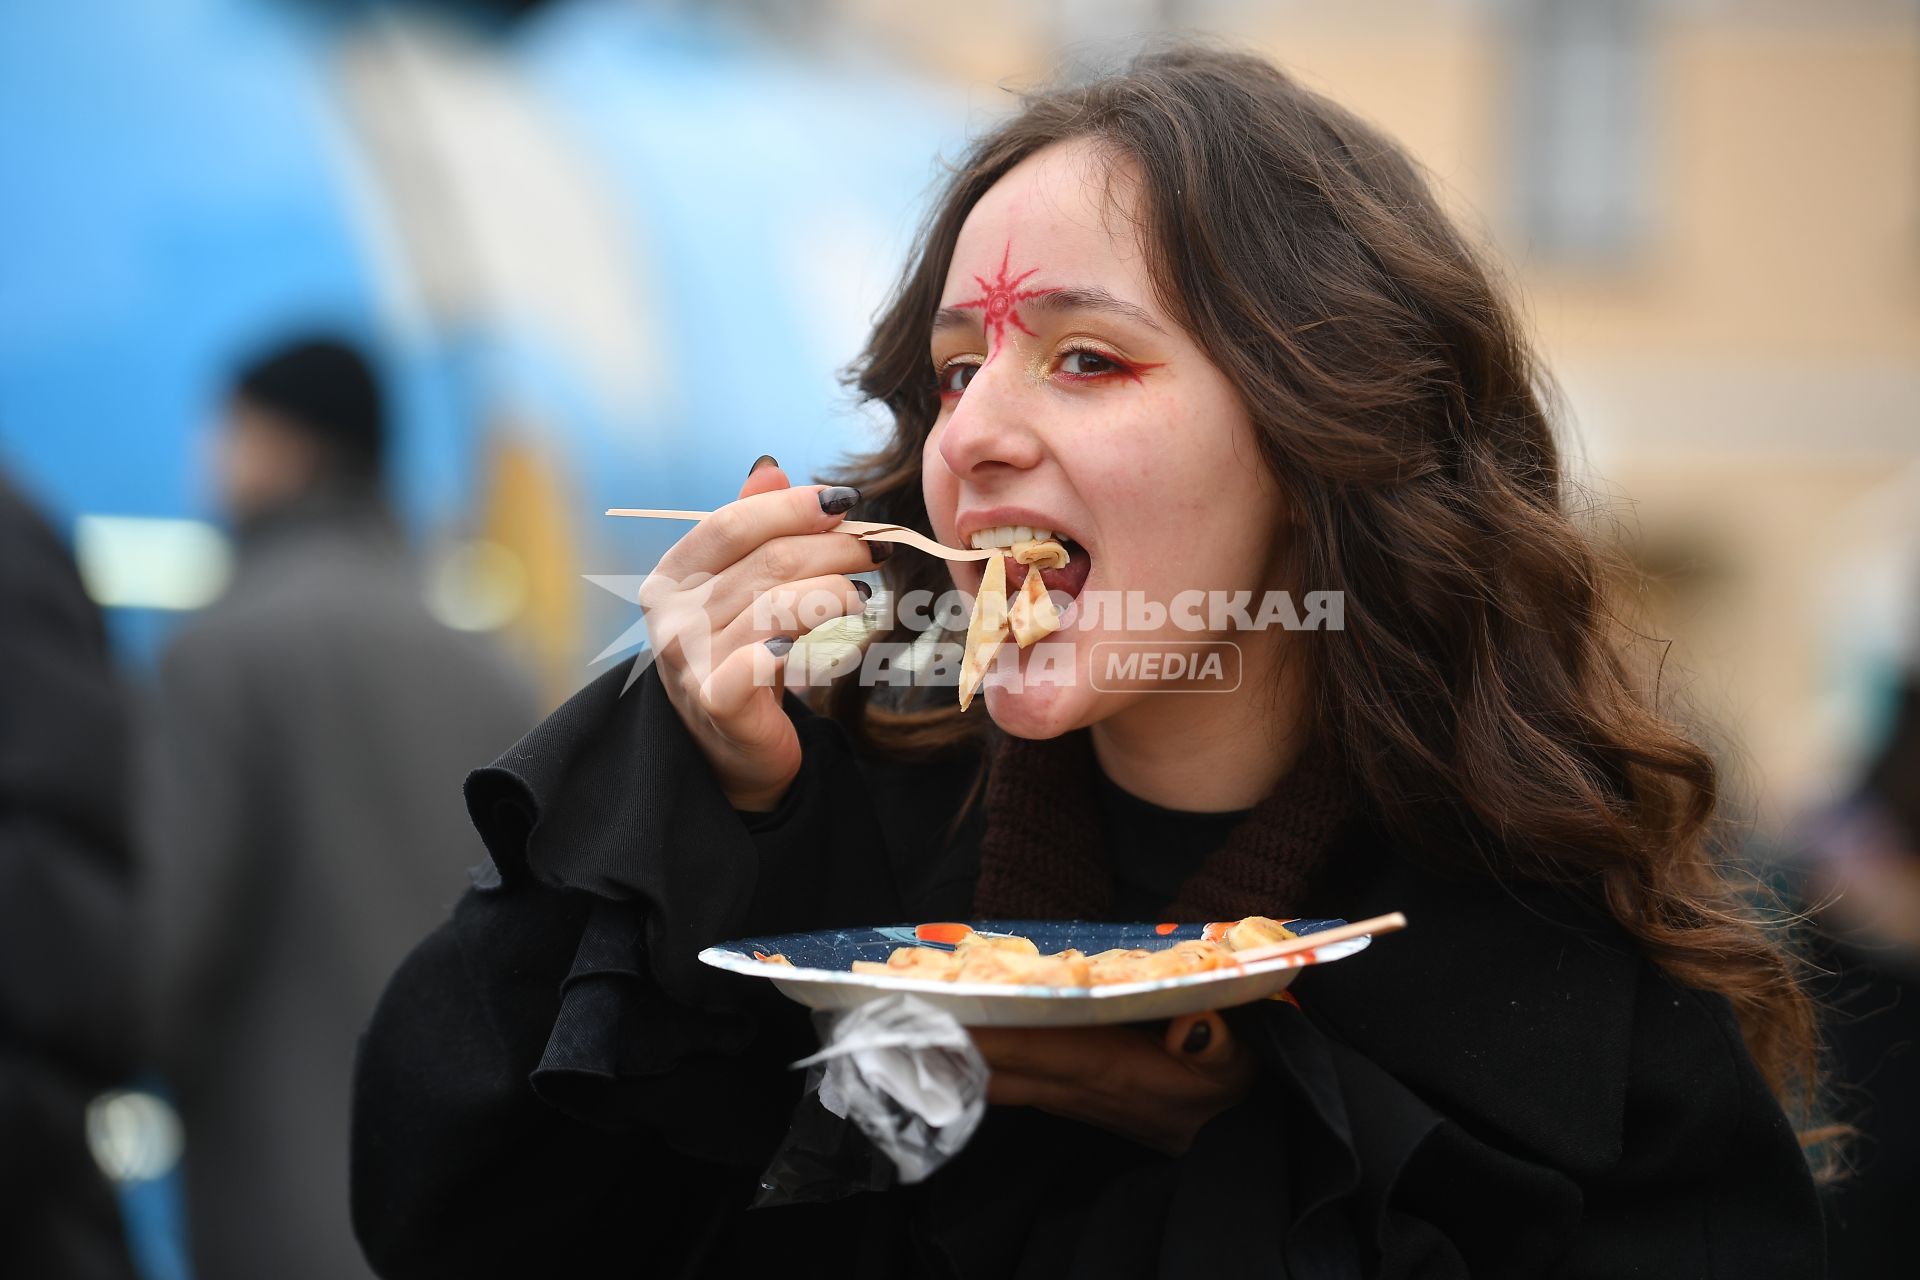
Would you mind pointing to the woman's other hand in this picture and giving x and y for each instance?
(728, 601)
(1157, 1089)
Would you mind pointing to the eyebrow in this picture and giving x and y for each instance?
(1054, 300)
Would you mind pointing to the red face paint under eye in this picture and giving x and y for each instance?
(999, 302)
(1121, 369)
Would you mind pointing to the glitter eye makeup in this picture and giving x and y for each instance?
(1104, 364)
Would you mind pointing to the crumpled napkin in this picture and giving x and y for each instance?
(907, 1074)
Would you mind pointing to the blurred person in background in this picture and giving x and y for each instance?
(66, 1010)
(1863, 883)
(302, 818)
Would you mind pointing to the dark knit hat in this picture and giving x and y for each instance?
(323, 387)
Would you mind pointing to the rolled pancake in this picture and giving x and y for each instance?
(913, 962)
(1255, 931)
(1033, 616)
(995, 964)
(1040, 555)
(997, 942)
(987, 630)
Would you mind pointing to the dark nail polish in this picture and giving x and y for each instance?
(865, 589)
(779, 645)
(879, 550)
(838, 499)
(1199, 1036)
(764, 460)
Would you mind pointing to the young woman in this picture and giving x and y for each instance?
(1214, 333)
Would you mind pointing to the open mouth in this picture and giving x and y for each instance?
(1008, 604)
(1068, 579)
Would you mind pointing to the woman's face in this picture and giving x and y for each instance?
(1072, 402)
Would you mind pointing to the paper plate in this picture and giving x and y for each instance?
(821, 977)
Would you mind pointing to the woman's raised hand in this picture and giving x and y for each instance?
(725, 605)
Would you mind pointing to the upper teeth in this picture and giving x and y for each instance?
(1007, 535)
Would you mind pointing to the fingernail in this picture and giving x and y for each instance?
(837, 499)
(1199, 1036)
(879, 550)
(779, 645)
(865, 589)
(764, 460)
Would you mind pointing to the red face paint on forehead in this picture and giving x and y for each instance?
(999, 302)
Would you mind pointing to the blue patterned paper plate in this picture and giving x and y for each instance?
(821, 976)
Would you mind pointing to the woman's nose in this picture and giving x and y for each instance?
(992, 425)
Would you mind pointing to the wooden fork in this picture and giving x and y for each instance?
(865, 530)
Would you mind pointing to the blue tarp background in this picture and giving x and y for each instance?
(178, 178)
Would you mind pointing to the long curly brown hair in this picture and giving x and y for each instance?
(1481, 693)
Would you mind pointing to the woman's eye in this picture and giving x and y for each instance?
(1087, 364)
(955, 377)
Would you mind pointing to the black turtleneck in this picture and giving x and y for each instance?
(1154, 851)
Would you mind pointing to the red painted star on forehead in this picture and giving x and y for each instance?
(999, 302)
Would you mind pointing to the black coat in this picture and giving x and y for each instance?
(301, 830)
(554, 1085)
(66, 905)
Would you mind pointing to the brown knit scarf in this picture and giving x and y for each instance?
(1042, 859)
